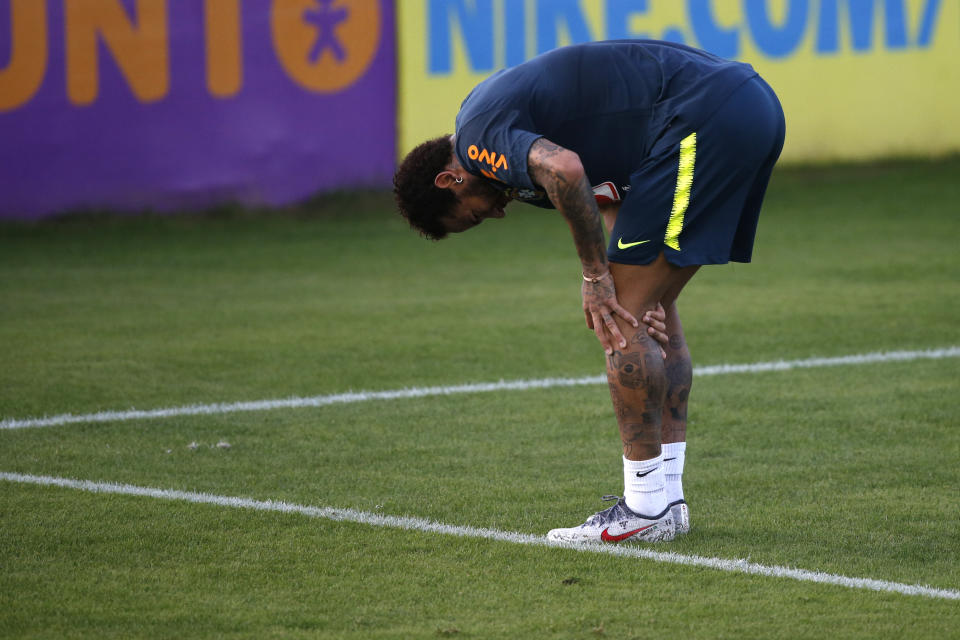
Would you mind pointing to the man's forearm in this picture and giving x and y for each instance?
(560, 173)
(575, 202)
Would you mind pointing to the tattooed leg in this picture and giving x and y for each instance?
(638, 382)
(679, 373)
(639, 378)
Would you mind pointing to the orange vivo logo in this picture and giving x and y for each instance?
(491, 158)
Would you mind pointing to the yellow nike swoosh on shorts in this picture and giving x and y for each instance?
(626, 245)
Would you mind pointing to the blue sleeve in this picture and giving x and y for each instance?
(493, 144)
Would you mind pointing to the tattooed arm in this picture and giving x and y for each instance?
(560, 173)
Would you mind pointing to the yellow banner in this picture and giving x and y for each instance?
(858, 79)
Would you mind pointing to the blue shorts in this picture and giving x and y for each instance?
(697, 201)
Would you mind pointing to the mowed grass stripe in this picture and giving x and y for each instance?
(482, 387)
(427, 526)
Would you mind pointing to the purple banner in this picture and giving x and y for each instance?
(132, 105)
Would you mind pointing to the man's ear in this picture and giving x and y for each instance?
(445, 179)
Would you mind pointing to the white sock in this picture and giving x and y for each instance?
(643, 482)
(673, 458)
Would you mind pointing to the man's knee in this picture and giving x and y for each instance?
(639, 365)
(676, 341)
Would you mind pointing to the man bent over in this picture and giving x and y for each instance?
(672, 148)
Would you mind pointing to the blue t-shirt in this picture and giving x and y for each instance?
(607, 101)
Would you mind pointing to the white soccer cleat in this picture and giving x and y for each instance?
(681, 516)
(619, 523)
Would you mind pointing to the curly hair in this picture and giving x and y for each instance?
(421, 202)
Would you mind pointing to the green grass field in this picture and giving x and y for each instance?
(850, 470)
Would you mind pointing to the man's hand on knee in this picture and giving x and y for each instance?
(600, 304)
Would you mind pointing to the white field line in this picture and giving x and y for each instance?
(421, 392)
(428, 526)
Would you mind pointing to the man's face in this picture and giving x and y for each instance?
(478, 201)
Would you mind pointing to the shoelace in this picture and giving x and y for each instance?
(603, 516)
